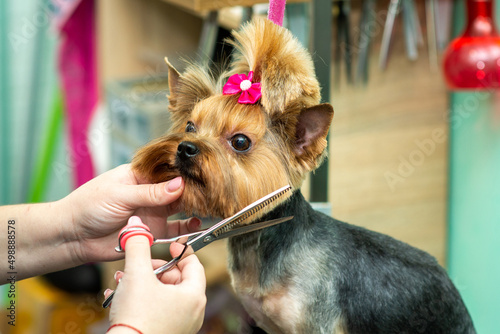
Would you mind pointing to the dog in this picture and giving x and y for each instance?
(258, 125)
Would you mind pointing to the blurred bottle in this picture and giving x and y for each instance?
(473, 59)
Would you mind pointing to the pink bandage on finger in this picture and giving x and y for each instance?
(135, 221)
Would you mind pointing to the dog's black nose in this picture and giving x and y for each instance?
(187, 150)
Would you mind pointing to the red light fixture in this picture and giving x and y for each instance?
(472, 61)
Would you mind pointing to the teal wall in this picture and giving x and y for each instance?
(474, 199)
(474, 206)
(28, 87)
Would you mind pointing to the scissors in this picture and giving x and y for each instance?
(228, 227)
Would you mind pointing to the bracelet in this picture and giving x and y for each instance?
(123, 325)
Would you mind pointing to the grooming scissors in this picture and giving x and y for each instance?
(228, 227)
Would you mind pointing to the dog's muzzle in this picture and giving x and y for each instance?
(187, 164)
(187, 151)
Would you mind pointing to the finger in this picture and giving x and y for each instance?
(174, 207)
(150, 195)
(193, 273)
(157, 263)
(178, 227)
(138, 255)
(118, 276)
(107, 292)
(173, 276)
(176, 249)
(193, 225)
(137, 251)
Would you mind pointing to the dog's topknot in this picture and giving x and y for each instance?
(279, 61)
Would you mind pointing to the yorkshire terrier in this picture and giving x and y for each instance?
(254, 128)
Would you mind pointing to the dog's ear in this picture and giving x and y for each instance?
(188, 88)
(310, 134)
(173, 77)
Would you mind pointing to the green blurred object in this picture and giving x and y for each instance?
(474, 198)
(33, 110)
(51, 139)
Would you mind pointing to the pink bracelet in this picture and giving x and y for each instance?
(123, 325)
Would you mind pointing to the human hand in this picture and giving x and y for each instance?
(172, 302)
(100, 208)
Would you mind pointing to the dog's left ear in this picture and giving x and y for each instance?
(310, 134)
(188, 88)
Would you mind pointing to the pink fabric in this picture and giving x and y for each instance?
(250, 92)
(78, 70)
(276, 11)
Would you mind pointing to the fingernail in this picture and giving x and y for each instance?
(174, 184)
(116, 274)
(106, 291)
(195, 222)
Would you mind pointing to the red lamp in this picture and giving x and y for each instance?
(473, 59)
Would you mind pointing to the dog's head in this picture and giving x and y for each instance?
(230, 153)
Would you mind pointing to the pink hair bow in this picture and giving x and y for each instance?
(250, 92)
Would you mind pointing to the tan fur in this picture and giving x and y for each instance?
(340, 327)
(277, 58)
(276, 312)
(230, 177)
(287, 130)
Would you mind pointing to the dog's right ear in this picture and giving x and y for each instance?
(310, 135)
(187, 89)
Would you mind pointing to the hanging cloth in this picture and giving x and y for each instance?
(78, 73)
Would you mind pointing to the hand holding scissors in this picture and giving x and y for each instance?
(193, 242)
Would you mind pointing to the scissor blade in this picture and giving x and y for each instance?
(207, 239)
(211, 234)
(253, 227)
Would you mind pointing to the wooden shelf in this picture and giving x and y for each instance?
(208, 5)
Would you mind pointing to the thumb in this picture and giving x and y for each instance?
(149, 195)
(137, 251)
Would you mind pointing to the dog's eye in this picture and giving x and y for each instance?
(240, 143)
(190, 127)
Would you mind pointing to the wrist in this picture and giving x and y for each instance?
(41, 238)
(68, 235)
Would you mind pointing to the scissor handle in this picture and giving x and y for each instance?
(134, 227)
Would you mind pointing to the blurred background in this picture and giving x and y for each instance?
(414, 147)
